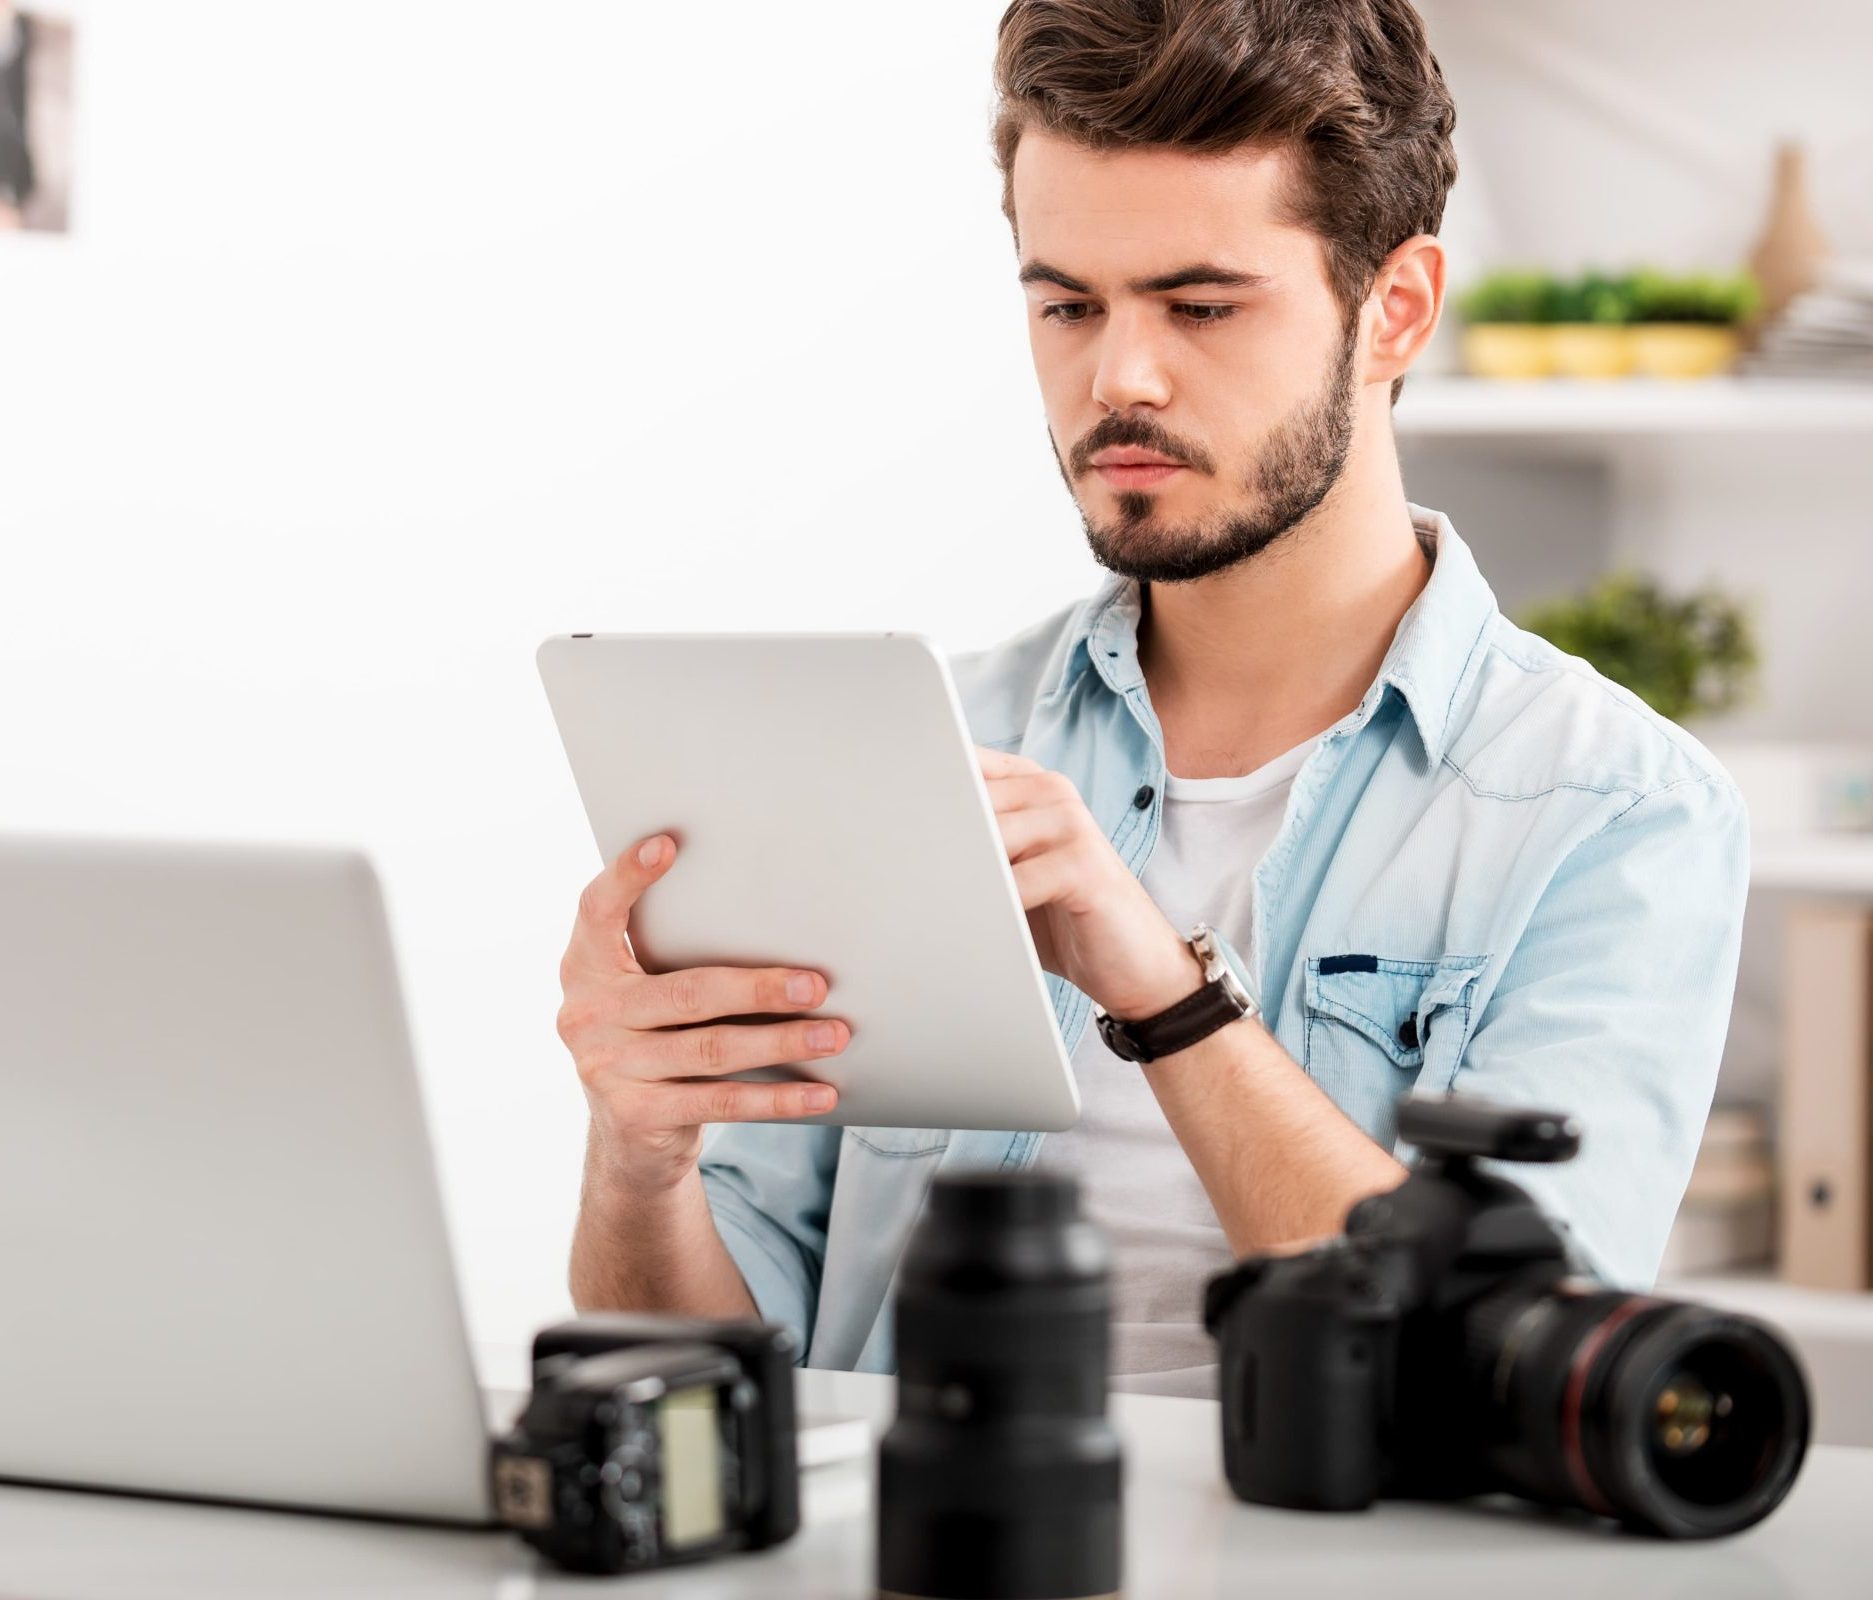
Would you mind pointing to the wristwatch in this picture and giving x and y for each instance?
(1220, 1001)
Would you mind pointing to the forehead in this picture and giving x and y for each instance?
(1121, 211)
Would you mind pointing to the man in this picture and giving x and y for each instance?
(1443, 856)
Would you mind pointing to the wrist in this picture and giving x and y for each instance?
(633, 1171)
(1176, 975)
(1218, 998)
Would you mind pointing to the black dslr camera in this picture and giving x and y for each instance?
(1440, 1348)
(651, 1440)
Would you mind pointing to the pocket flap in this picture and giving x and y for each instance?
(901, 1141)
(1391, 1002)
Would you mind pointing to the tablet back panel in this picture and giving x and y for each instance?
(224, 1271)
(829, 813)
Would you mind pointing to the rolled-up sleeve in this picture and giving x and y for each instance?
(769, 1187)
(1613, 1007)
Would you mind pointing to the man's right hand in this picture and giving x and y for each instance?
(650, 1058)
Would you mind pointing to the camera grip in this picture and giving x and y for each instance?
(1306, 1400)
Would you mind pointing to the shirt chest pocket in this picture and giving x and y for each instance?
(1377, 1027)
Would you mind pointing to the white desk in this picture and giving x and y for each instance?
(1188, 1539)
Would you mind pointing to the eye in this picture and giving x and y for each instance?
(1203, 315)
(1072, 313)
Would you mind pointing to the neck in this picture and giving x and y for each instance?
(1249, 662)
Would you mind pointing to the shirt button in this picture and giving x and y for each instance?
(1143, 798)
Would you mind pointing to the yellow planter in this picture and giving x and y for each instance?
(1506, 350)
(1590, 350)
(1683, 349)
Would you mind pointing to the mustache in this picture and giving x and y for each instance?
(1141, 434)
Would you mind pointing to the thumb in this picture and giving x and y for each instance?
(609, 897)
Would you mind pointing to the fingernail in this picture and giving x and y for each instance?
(650, 850)
(821, 1036)
(800, 988)
(820, 1098)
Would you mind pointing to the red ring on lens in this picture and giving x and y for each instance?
(1577, 1375)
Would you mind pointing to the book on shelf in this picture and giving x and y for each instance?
(1727, 1217)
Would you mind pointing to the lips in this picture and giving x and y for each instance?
(1129, 467)
(1131, 456)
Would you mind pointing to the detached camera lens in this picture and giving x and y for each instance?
(1000, 1476)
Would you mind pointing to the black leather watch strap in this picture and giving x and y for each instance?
(1216, 1004)
(1191, 1020)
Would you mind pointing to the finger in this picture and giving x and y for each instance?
(695, 994)
(1039, 788)
(1003, 763)
(605, 903)
(1043, 879)
(691, 1105)
(737, 1046)
(1037, 828)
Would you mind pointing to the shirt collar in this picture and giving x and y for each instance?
(1433, 654)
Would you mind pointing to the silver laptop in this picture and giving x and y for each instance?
(224, 1270)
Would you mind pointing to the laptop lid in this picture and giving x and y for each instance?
(225, 1265)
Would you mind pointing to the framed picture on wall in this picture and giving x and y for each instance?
(35, 121)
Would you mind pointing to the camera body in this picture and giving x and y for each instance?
(1442, 1347)
(650, 1441)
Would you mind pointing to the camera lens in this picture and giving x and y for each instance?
(1699, 1420)
(1677, 1419)
(1001, 1475)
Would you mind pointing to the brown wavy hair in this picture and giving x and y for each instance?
(1349, 86)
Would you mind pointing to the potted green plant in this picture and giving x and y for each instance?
(1685, 657)
(1689, 325)
(1590, 314)
(1506, 316)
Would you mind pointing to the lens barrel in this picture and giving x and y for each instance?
(1679, 1420)
(1000, 1478)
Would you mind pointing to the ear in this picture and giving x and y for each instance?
(1408, 294)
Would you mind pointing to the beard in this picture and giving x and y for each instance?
(1299, 464)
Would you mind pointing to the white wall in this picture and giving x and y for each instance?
(395, 336)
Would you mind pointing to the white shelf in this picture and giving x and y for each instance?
(1832, 1312)
(1812, 863)
(1452, 407)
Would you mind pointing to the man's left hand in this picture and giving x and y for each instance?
(1092, 921)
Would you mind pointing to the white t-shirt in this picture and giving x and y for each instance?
(1134, 1178)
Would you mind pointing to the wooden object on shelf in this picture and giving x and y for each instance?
(1826, 1123)
(1791, 247)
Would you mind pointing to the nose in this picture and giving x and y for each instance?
(1131, 370)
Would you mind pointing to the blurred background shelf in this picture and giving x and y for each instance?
(1812, 863)
(1476, 408)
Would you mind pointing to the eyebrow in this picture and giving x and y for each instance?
(1201, 272)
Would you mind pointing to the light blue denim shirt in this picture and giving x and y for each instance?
(1499, 874)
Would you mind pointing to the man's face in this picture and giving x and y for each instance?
(1250, 386)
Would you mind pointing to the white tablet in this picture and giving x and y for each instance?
(825, 797)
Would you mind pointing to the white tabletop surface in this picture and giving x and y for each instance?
(1187, 1539)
